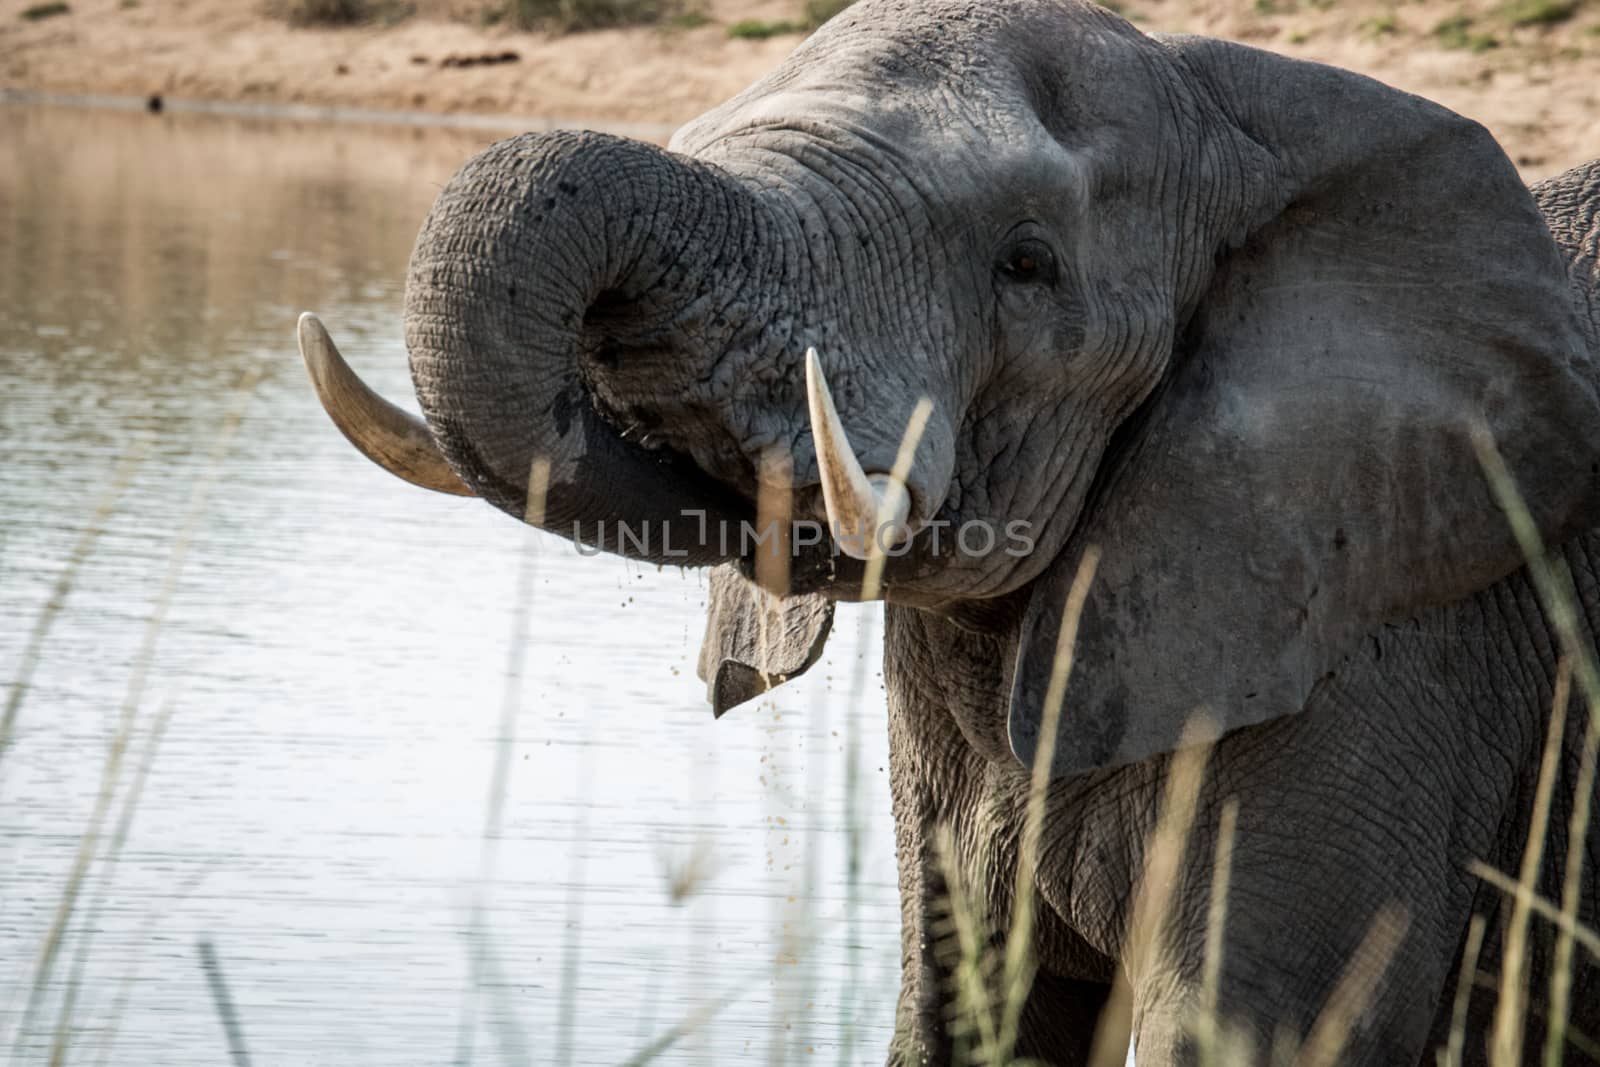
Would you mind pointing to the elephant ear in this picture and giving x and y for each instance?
(1306, 471)
(756, 641)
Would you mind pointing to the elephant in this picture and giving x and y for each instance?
(1026, 293)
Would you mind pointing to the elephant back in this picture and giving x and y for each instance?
(1571, 206)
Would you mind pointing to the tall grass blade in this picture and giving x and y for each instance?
(502, 1024)
(108, 873)
(816, 786)
(1576, 1038)
(223, 1003)
(125, 988)
(31, 651)
(1450, 1055)
(478, 948)
(567, 1013)
(1558, 596)
(855, 844)
(1557, 1032)
(1351, 997)
(89, 842)
(1505, 1044)
(876, 558)
(774, 497)
(1208, 1031)
(1020, 966)
(1113, 1033)
(1581, 935)
(696, 1019)
(1145, 943)
(964, 937)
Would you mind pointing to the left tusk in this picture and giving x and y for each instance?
(859, 505)
(395, 440)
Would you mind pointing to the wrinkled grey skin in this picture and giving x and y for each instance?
(1230, 318)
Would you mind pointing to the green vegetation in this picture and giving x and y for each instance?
(44, 11)
(1382, 26)
(820, 11)
(1453, 32)
(327, 12)
(816, 13)
(1558, 596)
(689, 20)
(1456, 32)
(555, 16)
(333, 12)
(1540, 12)
(567, 16)
(761, 29)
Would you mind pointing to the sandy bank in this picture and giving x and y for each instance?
(1537, 88)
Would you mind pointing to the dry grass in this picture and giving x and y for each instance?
(89, 842)
(988, 991)
(1558, 596)
(62, 589)
(994, 969)
(1506, 1044)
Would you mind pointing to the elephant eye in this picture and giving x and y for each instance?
(1029, 260)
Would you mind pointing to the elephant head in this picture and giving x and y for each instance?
(1229, 316)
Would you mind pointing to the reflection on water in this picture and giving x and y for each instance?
(335, 658)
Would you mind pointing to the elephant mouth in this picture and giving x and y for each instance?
(599, 332)
(793, 527)
(401, 443)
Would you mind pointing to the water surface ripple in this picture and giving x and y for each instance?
(334, 657)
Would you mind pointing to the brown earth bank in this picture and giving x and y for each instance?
(1527, 69)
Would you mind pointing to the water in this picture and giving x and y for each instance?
(334, 657)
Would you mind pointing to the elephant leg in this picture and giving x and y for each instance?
(943, 787)
(1060, 1020)
(1318, 945)
(1057, 1028)
(1478, 1017)
(920, 1034)
(1364, 991)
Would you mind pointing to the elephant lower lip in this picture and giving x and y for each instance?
(812, 567)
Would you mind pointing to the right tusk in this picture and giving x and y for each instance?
(858, 505)
(395, 440)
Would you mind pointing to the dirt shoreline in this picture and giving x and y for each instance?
(1537, 88)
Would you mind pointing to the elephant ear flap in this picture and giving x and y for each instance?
(756, 641)
(1306, 470)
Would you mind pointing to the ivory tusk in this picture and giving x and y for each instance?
(395, 440)
(859, 505)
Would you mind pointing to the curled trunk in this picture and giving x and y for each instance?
(556, 276)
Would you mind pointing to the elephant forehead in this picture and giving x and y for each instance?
(871, 164)
(955, 73)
